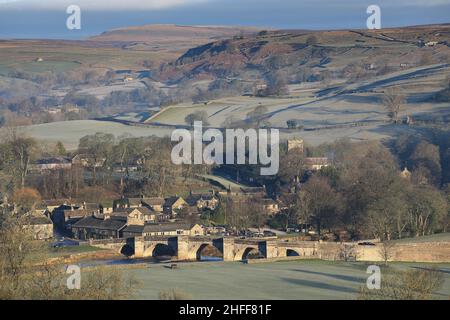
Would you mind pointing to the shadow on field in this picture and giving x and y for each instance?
(319, 285)
(332, 275)
(431, 269)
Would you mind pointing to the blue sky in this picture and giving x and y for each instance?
(46, 18)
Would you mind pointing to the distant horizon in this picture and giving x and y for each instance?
(86, 37)
(46, 19)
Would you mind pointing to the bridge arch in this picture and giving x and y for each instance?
(292, 253)
(249, 252)
(208, 250)
(127, 250)
(162, 250)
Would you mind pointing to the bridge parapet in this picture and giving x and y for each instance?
(157, 238)
(107, 241)
(303, 244)
(203, 239)
(248, 241)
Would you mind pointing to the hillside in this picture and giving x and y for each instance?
(168, 36)
(307, 55)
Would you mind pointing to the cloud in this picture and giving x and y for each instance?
(109, 5)
(99, 4)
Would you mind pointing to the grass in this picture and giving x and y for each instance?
(60, 252)
(306, 279)
(63, 56)
(72, 250)
(70, 132)
(430, 238)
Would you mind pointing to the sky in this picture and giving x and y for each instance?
(47, 18)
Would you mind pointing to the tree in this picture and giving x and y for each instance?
(427, 209)
(26, 198)
(291, 166)
(294, 124)
(26, 272)
(15, 246)
(17, 153)
(158, 169)
(320, 204)
(60, 150)
(384, 215)
(197, 116)
(348, 251)
(258, 217)
(426, 159)
(277, 83)
(386, 251)
(98, 148)
(393, 103)
(367, 178)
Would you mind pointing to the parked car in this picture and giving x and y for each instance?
(366, 244)
(268, 233)
(65, 243)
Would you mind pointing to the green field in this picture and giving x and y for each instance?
(61, 56)
(279, 280)
(431, 238)
(70, 132)
(61, 252)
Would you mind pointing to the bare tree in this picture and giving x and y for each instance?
(348, 252)
(393, 103)
(386, 251)
(27, 273)
(197, 116)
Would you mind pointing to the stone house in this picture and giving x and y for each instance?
(86, 160)
(41, 227)
(92, 227)
(173, 229)
(271, 206)
(50, 164)
(174, 203)
(154, 203)
(202, 201)
(138, 216)
(315, 164)
(164, 229)
(295, 144)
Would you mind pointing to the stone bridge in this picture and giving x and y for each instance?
(232, 249)
(235, 249)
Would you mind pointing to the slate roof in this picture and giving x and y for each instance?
(153, 201)
(53, 160)
(170, 201)
(192, 199)
(162, 227)
(134, 229)
(79, 213)
(108, 224)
